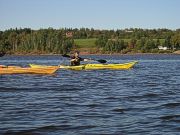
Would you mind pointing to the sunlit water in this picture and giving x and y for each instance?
(143, 100)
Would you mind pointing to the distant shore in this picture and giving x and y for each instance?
(85, 53)
(176, 52)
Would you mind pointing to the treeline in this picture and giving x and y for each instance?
(142, 45)
(131, 40)
(108, 41)
(35, 41)
(139, 41)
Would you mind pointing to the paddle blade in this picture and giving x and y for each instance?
(2, 54)
(65, 55)
(102, 61)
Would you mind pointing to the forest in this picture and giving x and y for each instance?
(60, 41)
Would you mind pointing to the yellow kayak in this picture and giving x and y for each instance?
(27, 70)
(93, 66)
(111, 66)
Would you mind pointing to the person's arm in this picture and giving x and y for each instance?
(84, 59)
(87, 59)
(72, 58)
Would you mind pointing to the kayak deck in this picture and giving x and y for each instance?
(110, 66)
(41, 66)
(27, 70)
(80, 67)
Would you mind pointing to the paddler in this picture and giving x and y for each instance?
(75, 59)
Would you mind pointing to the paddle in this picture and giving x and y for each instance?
(2, 54)
(100, 61)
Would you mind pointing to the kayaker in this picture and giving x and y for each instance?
(75, 59)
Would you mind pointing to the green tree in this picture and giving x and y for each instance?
(175, 41)
(101, 41)
(167, 42)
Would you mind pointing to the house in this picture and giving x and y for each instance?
(162, 48)
(69, 34)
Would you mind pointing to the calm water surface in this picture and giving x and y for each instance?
(143, 100)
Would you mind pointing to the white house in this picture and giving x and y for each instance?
(162, 48)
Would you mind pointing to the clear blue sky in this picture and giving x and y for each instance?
(99, 14)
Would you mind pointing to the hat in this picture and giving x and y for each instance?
(76, 52)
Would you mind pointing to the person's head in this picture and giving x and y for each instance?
(76, 53)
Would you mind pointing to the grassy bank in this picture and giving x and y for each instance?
(85, 43)
(90, 43)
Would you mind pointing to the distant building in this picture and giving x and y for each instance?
(162, 48)
(128, 31)
(69, 34)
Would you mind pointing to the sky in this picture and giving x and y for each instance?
(98, 14)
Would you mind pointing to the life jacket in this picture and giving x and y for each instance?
(76, 62)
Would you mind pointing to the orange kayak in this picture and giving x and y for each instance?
(27, 70)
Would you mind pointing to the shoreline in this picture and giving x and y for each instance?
(85, 54)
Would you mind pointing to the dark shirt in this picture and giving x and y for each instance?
(77, 61)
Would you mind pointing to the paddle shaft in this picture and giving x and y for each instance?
(101, 61)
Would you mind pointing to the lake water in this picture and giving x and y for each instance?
(143, 100)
